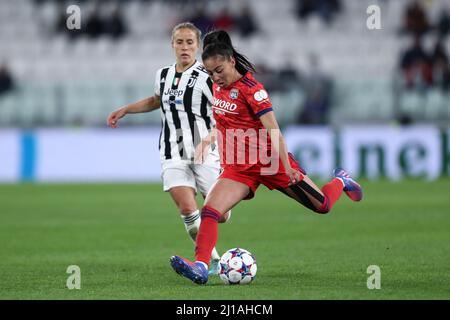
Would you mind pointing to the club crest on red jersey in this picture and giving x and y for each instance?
(234, 93)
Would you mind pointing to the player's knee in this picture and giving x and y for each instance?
(186, 209)
(325, 207)
(322, 210)
(209, 212)
(225, 217)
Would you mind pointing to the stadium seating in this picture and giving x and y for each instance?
(362, 62)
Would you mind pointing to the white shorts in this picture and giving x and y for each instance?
(200, 177)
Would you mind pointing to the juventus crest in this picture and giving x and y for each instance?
(192, 80)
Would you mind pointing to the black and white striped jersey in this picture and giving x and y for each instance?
(186, 114)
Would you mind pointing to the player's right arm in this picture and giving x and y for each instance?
(144, 105)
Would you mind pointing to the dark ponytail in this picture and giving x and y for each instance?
(218, 43)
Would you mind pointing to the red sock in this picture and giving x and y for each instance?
(332, 191)
(207, 235)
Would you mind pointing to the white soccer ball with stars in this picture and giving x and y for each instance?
(237, 266)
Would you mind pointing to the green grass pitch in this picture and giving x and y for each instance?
(122, 236)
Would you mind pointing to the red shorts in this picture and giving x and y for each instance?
(253, 177)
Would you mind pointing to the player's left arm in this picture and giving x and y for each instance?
(278, 144)
(201, 151)
(208, 90)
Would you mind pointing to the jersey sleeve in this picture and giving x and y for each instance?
(258, 99)
(208, 90)
(157, 82)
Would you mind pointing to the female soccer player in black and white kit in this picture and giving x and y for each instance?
(183, 93)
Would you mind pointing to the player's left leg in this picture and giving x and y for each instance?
(184, 198)
(311, 196)
(322, 200)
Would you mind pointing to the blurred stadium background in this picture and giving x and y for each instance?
(375, 101)
(321, 64)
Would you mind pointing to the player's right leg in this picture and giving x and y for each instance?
(179, 181)
(206, 175)
(184, 198)
(223, 196)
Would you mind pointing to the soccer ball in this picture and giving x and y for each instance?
(237, 266)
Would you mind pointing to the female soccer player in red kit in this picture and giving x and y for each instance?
(242, 108)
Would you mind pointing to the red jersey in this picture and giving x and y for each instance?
(243, 141)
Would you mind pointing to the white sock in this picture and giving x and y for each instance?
(215, 254)
(192, 224)
(342, 180)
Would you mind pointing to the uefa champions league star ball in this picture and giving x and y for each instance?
(237, 266)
